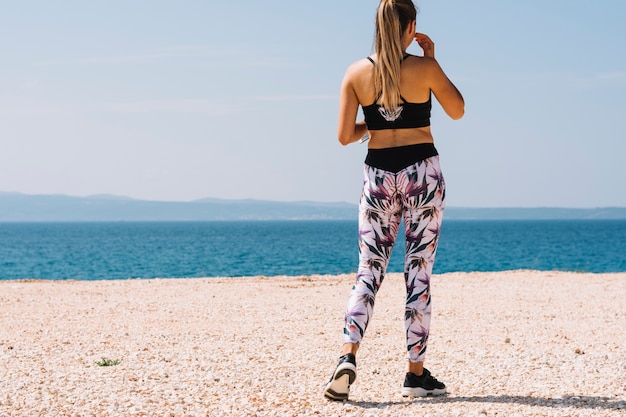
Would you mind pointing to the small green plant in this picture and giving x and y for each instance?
(108, 362)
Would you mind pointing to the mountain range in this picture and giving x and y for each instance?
(17, 207)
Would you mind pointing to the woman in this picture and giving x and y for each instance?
(402, 179)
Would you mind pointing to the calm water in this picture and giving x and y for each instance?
(88, 251)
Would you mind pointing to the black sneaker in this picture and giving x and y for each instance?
(423, 385)
(338, 387)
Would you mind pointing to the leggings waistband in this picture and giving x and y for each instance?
(398, 158)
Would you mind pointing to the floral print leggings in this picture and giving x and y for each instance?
(416, 193)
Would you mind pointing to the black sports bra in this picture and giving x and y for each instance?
(407, 116)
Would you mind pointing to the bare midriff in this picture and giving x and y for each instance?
(392, 138)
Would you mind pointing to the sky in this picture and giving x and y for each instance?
(189, 99)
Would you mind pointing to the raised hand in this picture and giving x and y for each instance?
(427, 45)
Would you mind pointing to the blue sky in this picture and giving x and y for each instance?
(180, 100)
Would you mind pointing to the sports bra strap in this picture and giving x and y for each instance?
(374, 63)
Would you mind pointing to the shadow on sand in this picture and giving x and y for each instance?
(565, 401)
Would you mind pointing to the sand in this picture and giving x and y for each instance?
(521, 343)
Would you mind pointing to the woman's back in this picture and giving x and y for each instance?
(418, 78)
(415, 89)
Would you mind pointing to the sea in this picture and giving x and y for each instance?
(127, 250)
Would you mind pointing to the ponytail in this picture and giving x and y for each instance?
(392, 19)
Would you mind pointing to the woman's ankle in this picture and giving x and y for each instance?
(416, 368)
(349, 348)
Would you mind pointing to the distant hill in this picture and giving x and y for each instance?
(16, 207)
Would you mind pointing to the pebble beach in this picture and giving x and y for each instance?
(518, 343)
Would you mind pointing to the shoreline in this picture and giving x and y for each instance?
(548, 273)
(514, 343)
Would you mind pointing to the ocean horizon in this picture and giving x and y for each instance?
(123, 250)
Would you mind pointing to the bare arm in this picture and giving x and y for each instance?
(445, 91)
(349, 130)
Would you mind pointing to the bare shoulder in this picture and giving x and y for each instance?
(422, 62)
(358, 76)
(426, 69)
(359, 67)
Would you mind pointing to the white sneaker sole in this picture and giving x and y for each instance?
(421, 392)
(339, 386)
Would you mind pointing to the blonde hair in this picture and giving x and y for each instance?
(392, 19)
